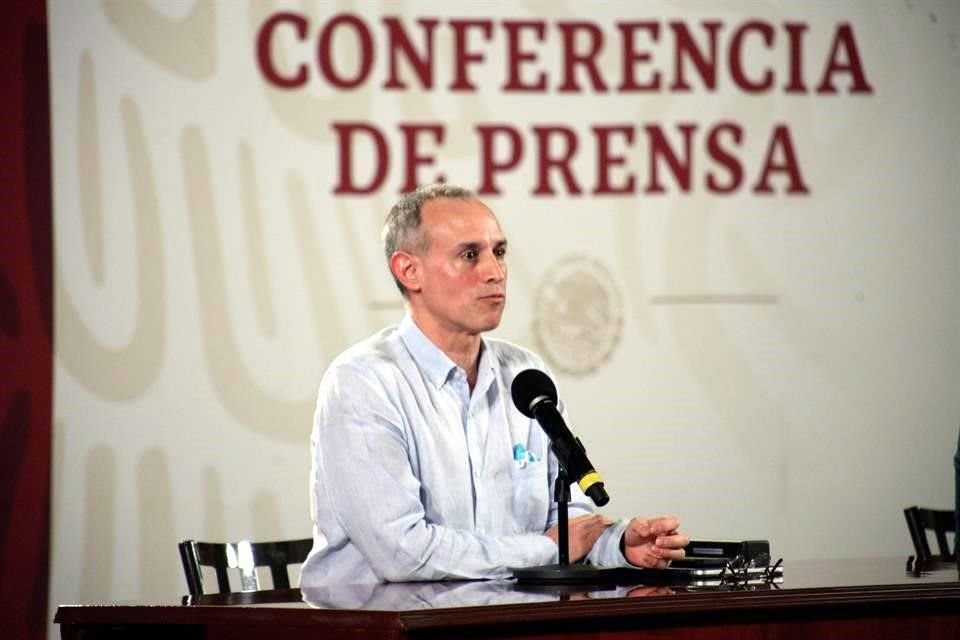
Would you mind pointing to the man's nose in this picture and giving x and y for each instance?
(494, 268)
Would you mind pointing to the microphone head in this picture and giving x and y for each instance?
(598, 494)
(529, 388)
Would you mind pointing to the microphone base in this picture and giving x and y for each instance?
(566, 574)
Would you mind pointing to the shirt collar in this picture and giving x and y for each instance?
(429, 358)
(434, 363)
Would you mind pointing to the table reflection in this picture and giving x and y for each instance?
(405, 596)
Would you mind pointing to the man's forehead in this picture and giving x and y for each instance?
(443, 205)
(456, 212)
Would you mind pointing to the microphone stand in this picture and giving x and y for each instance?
(563, 573)
(561, 493)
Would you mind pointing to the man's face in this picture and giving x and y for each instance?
(463, 274)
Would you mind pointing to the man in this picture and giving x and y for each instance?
(422, 467)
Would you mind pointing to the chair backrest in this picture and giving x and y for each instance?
(245, 557)
(940, 521)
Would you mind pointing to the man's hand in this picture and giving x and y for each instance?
(584, 531)
(653, 543)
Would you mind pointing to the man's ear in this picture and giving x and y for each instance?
(406, 268)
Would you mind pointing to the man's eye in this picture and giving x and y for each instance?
(470, 254)
(500, 252)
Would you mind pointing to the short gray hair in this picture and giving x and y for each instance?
(401, 230)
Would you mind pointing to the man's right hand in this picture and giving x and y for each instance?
(584, 532)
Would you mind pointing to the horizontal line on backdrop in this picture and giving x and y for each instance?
(716, 298)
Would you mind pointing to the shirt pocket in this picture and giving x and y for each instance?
(531, 495)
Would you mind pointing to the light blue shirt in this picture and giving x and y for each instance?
(415, 478)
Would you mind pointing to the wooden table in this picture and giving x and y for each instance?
(837, 599)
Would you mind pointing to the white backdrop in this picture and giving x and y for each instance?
(766, 365)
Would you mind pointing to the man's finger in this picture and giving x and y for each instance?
(673, 554)
(664, 524)
(674, 541)
(640, 527)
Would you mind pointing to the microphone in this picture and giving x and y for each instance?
(535, 395)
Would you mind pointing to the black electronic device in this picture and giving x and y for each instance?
(743, 552)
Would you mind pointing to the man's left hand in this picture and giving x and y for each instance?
(653, 543)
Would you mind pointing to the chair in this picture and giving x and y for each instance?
(940, 521)
(245, 556)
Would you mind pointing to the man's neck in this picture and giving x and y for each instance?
(463, 348)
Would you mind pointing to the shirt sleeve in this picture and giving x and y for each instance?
(363, 463)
